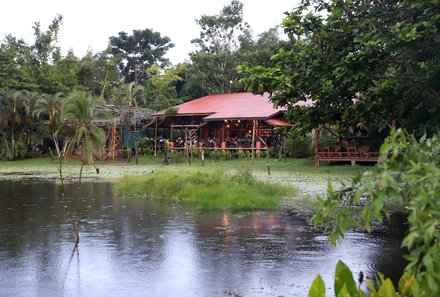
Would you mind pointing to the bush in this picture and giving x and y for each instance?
(299, 146)
(408, 175)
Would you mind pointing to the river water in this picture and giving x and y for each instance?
(136, 247)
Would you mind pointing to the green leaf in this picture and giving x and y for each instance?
(344, 277)
(318, 288)
(387, 289)
(344, 292)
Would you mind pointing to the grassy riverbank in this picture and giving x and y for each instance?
(208, 189)
(298, 173)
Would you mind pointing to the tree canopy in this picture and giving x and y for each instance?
(225, 42)
(375, 62)
(139, 51)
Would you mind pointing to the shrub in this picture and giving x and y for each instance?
(298, 146)
(408, 175)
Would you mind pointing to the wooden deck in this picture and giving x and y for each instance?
(352, 154)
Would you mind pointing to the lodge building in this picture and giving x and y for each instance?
(226, 121)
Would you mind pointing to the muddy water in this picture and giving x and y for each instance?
(146, 248)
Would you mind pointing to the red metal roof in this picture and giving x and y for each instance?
(229, 107)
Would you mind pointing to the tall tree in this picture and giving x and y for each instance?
(45, 47)
(373, 62)
(213, 64)
(160, 90)
(219, 32)
(259, 51)
(32, 131)
(13, 103)
(51, 71)
(48, 107)
(14, 65)
(138, 52)
(226, 41)
(98, 73)
(79, 111)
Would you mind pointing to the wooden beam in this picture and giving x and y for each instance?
(253, 139)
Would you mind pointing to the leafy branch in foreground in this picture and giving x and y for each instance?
(408, 175)
(345, 285)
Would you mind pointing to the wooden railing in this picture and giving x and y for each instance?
(353, 154)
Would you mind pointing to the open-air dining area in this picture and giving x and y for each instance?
(242, 121)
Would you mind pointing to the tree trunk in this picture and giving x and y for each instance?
(12, 143)
(316, 138)
(155, 140)
(80, 171)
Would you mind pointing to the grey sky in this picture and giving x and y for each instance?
(88, 24)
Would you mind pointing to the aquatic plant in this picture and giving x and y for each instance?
(209, 189)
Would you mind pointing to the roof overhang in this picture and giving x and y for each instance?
(221, 116)
(278, 122)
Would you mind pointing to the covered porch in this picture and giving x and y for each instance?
(224, 134)
(241, 121)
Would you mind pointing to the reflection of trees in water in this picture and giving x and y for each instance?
(223, 250)
(234, 247)
(31, 216)
(389, 260)
(31, 229)
(282, 247)
(34, 232)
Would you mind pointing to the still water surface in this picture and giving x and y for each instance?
(134, 247)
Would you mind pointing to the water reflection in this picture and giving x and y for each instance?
(146, 248)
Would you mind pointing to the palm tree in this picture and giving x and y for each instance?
(79, 111)
(30, 99)
(49, 106)
(12, 103)
(4, 118)
(30, 103)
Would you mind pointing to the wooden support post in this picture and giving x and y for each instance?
(114, 139)
(253, 139)
(155, 139)
(316, 142)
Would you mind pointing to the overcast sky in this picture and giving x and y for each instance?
(87, 24)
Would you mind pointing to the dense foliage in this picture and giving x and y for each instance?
(373, 63)
(138, 52)
(131, 72)
(225, 42)
(408, 176)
